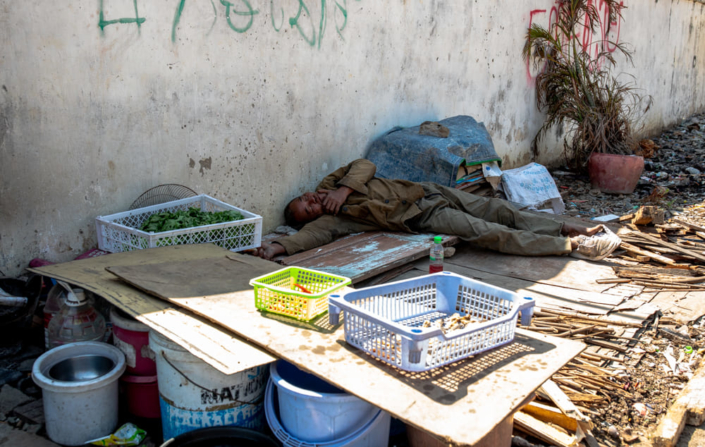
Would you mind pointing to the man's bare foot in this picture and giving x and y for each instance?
(572, 230)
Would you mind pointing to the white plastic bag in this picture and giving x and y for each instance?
(532, 187)
(492, 173)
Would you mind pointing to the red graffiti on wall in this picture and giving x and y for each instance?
(605, 37)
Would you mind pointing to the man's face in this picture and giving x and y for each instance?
(307, 207)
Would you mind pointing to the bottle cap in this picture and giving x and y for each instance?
(688, 349)
(76, 298)
(438, 239)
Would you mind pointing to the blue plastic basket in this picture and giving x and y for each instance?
(387, 321)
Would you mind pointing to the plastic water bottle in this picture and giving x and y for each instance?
(436, 255)
(77, 321)
(55, 298)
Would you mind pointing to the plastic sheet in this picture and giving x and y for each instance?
(402, 153)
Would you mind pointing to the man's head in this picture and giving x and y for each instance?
(303, 209)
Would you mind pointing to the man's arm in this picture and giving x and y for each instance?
(355, 176)
(321, 231)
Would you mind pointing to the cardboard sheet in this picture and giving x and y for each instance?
(216, 346)
(459, 404)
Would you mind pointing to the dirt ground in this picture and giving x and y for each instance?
(673, 177)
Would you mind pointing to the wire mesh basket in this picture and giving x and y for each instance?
(120, 232)
(296, 292)
(161, 194)
(430, 321)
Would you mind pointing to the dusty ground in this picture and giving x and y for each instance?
(674, 177)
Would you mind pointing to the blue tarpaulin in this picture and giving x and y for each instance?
(402, 153)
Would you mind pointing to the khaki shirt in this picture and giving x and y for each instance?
(375, 204)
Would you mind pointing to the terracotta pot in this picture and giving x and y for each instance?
(616, 174)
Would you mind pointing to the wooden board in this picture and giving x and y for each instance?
(214, 345)
(217, 276)
(547, 297)
(561, 271)
(551, 297)
(365, 255)
(434, 401)
(682, 306)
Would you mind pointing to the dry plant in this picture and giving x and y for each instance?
(578, 89)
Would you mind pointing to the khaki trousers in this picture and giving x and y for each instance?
(489, 223)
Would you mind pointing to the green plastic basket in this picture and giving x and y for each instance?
(278, 292)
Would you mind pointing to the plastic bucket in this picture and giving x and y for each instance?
(313, 410)
(81, 396)
(132, 338)
(374, 433)
(221, 437)
(141, 394)
(193, 394)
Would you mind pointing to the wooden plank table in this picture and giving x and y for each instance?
(463, 404)
(362, 256)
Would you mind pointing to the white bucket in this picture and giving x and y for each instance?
(373, 434)
(314, 411)
(81, 410)
(193, 394)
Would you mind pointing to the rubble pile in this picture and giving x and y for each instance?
(620, 393)
(673, 177)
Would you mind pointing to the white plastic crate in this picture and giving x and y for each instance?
(120, 232)
(387, 321)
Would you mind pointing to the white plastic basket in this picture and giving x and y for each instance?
(120, 232)
(387, 321)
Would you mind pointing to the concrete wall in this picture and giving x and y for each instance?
(252, 102)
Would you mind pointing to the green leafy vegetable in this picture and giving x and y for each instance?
(194, 217)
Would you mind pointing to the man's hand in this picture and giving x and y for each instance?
(268, 251)
(335, 199)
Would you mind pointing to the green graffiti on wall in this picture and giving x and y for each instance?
(294, 22)
(344, 11)
(250, 12)
(271, 10)
(102, 23)
(303, 21)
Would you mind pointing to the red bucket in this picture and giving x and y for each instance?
(141, 394)
(132, 338)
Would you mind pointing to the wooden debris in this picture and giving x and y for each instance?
(612, 281)
(604, 344)
(543, 431)
(689, 225)
(549, 414)
(638, 251)
(672, 246)
(584, 318)
(648, 214)
(595, 356)
(551, 392)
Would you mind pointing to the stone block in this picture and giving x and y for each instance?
(32, 411)
(10, 398)
(10, 437)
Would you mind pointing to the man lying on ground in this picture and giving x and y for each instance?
(352, 200)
